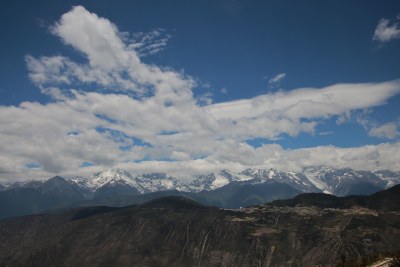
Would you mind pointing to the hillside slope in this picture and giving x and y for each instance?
(175, 231)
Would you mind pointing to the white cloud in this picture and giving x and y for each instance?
(276, 80)
(205, 99)
(368, 157)
(387, 131)
(102, 123)
(148, 43)
(96, 37)
(152, 116)
(308, 103)
(386, 32)
(112, 64)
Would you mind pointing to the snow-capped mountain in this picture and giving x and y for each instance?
(339, 182)
(347, 181)
(225, 188)
(108, 178)
(112, 178)
(296, 180)
(153, 182)
(313, 179)
(391, 178)
(215, 180)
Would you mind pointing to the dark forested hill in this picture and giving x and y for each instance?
(309, 230)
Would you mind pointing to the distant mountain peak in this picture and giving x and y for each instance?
(339, 181)
(222, 188)
(109, 177)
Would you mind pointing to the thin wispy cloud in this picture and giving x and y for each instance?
(387, 30)
(275, 81)
(148, 43)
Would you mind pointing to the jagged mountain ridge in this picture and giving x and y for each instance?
(145, 183)
(339, 182)
(224, 189)
(109, 178)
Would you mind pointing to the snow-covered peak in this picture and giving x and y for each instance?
(311, 179)
(109, 177)
(153, 182)
(114, 174)
(314, 176)
(221, 178)
(390, 177)
(263, 174)
(340, 181)
(144, 183)
(217, 179)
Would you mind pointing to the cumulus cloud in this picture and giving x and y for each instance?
(386, 31)
(276, 80)
(386, 131)
(145, 118)
(112, 63)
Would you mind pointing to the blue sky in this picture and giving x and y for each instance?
(191, 86)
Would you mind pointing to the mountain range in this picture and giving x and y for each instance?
(225, 188)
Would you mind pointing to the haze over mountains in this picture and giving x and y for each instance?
(224, 188)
